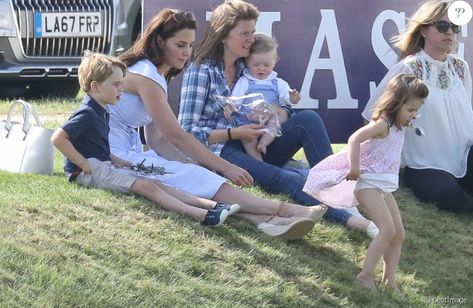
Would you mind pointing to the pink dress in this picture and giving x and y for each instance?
(379, 163)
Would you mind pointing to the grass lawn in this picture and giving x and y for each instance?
(64, 245)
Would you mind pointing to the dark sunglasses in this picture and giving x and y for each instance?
(443, 25)
(182, 16)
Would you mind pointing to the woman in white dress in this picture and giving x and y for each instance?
(160, 54)
(438, 165)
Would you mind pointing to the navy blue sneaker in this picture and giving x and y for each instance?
(231, 208)
(216, 216)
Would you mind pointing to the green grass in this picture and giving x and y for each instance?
(63, 245)
(47, 108)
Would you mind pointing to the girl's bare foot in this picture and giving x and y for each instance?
(393, 286)
(367, 282)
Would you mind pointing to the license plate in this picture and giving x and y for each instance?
(77, 24)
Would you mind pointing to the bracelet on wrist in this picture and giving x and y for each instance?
(229, 133)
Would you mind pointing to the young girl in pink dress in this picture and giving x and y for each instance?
(366, 173)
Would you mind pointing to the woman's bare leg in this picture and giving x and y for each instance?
(188, 198)
(251, 204)
(155, 193)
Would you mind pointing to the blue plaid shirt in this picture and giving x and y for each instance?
(199, 111)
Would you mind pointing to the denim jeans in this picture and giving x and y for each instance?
(305, 129)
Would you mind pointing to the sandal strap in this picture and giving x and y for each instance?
(278, 211)
(280, 208)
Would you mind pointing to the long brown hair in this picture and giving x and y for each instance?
(399, 90)
(165, 24)
(224, 18)
(412, 41)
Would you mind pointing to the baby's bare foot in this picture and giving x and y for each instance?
(261, 148)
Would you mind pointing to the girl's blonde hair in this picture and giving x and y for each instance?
(97, 67)
(412, 41)
(164, 25)
(399, 90)
(224, 18)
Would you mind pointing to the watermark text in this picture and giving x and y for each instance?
(447, 300)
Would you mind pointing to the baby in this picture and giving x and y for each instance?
(259, 77)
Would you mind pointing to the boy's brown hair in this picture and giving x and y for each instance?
(97, 67)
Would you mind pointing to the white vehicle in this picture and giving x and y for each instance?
(41, 42)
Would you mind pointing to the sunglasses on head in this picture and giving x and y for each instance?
(182, 16)
(443, 25)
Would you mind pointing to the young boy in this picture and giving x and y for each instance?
(83, 140)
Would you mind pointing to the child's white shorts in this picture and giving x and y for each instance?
(386, 183)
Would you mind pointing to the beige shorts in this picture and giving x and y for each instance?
(104, 175)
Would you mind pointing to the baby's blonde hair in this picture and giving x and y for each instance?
(97, 67)
(399, 90)
(263, 43)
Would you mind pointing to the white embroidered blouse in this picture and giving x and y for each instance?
(447, 114)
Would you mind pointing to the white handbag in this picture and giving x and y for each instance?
(25, 148)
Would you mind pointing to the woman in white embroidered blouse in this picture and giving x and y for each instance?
(438, 165)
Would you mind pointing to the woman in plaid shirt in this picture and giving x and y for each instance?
(157, 56)
(219, 62)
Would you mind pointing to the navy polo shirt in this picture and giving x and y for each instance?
(88, 129)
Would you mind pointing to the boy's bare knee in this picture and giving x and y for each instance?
(144, 187)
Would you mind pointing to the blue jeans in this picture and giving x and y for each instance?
(305, 129)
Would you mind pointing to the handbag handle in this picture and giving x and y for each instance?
(27, 109)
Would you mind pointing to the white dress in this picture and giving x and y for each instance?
(446, 115)
(129, 114)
